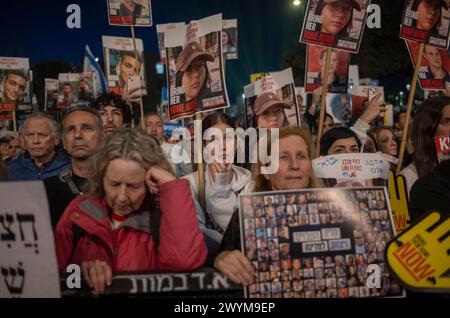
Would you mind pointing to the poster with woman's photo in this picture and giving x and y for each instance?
(318, 243)
(352, 170)
(271, 102)
(130, 12)
(339, 106)
(122, 61)
(194, 69)
(230, 39)
(434, 68)
(51, 95)
(335, 23)
(160, 31)
(426, 21)
(315, 69)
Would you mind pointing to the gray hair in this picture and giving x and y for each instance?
(40, 115)
(86, 109)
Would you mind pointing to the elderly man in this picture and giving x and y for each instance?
(41, 159)
(115, 112)
(82, 133)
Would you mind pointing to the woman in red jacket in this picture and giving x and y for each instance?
(129, 187)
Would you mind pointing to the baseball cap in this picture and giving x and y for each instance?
(265, 101)
(190, 52)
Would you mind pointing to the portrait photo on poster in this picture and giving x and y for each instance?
(130, 12)
(339, 106)
(315, 69)
(14, 80)
(335, 23)
(230, 39)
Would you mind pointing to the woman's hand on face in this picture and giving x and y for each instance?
(97, 275)
(219, 168)
(235, 266)
(156, 177)
(374, 110)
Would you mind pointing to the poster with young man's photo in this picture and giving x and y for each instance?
(318, 243)
(68, 88)
(271, 102)
(122, 62)
(426, 21)
(315, 69)
(230, 39)
(160, 31)
(434, 70)
(130, 12)
(14, 88)
(51, 95)
(194, 69)
(335, 23)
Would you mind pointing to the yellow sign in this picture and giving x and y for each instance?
(419, 256)
(257, 76)
(399, 202)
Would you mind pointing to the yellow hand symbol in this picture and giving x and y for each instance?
(399, 202)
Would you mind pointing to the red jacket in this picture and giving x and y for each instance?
(130, 247)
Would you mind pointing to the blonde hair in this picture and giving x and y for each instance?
(129, 144)
(262, 184)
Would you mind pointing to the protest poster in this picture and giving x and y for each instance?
(130, 12)
(230, 39)
(160, 31)
(434, 67)
(442, 147)
(353, 75)
(275, 89)
(51, 95)
(27, 249)
(301, 99)
(426, 21)
(68, 89)
(315, 69)
(339, 106)
(343, 32)
(121, 62)
(195, 71)
(352, 170)
(318, 243)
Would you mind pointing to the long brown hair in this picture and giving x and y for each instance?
(261, 183)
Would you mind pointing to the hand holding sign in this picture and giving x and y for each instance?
(399, 201)
(419, 257)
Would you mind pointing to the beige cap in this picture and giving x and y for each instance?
(191, 51)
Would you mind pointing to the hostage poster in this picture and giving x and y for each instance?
(335, 23)
(318, 243)
(160, 31)
(230, 39)
(130, 12)
(194, 69)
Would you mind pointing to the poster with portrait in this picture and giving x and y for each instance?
(315, 69)
(121, 61)
(14, 88)
(434, 68)
(130, 12)
(352, 170)
(318, 243)
(230, 39)
(339, 106)
(51, 95)
(272, 94)
(68, 87)
(322, 26)
(194, 69)
(160, 31)
(426, 21)
(301, 99)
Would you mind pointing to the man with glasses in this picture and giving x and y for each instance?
(41, 159)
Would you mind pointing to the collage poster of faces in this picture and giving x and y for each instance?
(315, 69)
(317, 243)
(130, 12)
(335, 23)
(271, 101)
(434, 68)
(194, 69)
(121, 62)
(426, 21)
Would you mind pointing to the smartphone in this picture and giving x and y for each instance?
(133, 82)
(374, 90)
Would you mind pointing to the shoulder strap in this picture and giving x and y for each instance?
(66, 177)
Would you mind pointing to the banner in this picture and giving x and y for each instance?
(335, 23)
(434, 68)
(352, 170)
(160, 31)
(275, 89)
(121, 61)
(230, 39)
(195, 74)
(27, 250)
(339, 106)
(130, 12)
(318, 243)
(426, 21)
(315, 69)
(51, 95)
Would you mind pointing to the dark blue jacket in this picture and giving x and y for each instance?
(24, 168)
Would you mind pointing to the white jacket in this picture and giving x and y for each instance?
(221, 197)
